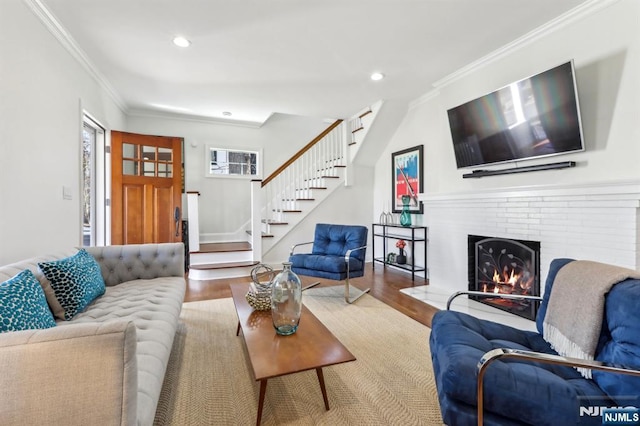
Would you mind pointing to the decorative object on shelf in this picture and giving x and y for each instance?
(390, 219)
(383, 218)
(259, 294)
(386, 217)
(401, 258)
(286, 301)
(405, 216)
(391, 258)
(407, 179)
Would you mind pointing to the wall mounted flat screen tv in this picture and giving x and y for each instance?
(534, 117)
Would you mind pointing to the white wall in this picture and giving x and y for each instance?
(225, 202)
(605, 47)
(42, 93)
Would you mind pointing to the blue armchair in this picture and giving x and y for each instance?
(492, 374)
(338, 253)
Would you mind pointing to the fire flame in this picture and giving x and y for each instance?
(508, 282)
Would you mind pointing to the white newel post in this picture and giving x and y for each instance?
(256, 219)
(194, 221)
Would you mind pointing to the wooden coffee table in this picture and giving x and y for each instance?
(270, 355)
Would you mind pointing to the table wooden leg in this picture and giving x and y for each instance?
(263, 391)
(323, 388)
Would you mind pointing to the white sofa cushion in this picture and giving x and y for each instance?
(154, 307)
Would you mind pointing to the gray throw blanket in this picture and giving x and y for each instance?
(573, 321)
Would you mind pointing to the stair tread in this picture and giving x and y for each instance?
(223, 265)
(264, 234)
(224, 247)
(274, 222)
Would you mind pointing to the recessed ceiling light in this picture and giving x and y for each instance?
(226, 113)
(377, 76)
(181, 41)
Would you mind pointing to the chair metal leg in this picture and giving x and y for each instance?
(310, 285)
(346, 292)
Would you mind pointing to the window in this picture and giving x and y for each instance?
(150, 161)
(222, 162)
(93, 141)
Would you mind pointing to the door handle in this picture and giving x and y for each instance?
(177, 216)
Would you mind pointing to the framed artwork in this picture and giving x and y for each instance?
(407, 178)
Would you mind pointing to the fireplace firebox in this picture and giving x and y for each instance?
(502, 265)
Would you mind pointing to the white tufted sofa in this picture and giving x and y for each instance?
(107, 365)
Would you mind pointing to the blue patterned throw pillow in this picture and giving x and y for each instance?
(76, 281)
(23, 305)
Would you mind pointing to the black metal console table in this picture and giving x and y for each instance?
(411, 234)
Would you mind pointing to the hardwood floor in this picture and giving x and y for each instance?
(385, 286)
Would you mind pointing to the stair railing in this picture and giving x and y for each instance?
(297, 177)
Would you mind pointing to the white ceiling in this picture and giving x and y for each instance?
(303, 57)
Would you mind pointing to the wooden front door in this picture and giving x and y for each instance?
(146, 189)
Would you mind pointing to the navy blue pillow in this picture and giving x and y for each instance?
(623, 348)
(76, 281)
(23, 305)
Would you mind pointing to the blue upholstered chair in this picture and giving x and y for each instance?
(492, 374)
(338, 253)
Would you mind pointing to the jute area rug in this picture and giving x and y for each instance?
(209, 382)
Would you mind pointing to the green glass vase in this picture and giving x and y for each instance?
(405, 216)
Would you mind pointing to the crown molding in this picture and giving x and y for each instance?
(68, 42)
(577, 13)
(139, 112)
(431, 94)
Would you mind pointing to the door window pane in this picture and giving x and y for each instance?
(148, 153)
(165, 170)
(148, 168)
(165, 154)
(129, 167)
(129, 150)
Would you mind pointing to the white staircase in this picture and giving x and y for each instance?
(283, 199)
(221, 260)
(288, 195)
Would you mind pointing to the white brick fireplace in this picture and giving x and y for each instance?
(598, 222)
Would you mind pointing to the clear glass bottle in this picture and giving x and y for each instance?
(286, 301)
